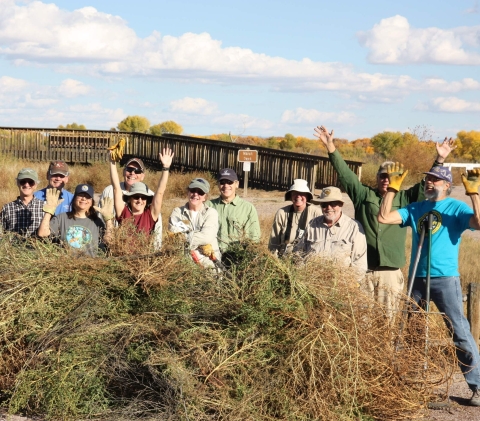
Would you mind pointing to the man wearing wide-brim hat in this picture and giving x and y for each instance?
(334, 234)
(290, 221)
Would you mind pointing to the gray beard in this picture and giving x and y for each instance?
(432, 195)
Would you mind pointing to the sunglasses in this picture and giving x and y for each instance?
(332, 204)
(229, 182)
(133, 169)
(26, 181)
(139, 197)
(198, 191)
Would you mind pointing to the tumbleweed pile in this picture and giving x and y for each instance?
(140, 335)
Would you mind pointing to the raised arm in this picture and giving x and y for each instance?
(166, 159)
(118, 203)
(326, 138)
(444, 149)
(471, 182)
(396, 176)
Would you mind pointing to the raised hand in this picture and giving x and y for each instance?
(51, 200)
(105, 208)
(166, 157)
(444, 148)
(396, 175)
(471, 181)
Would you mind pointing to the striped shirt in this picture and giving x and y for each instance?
(22, 219)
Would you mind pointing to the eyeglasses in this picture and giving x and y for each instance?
(133, 169)
(198, 191)
(138, 197)
(26, 181)
(332, 204)
(383, 175)
(229, 182)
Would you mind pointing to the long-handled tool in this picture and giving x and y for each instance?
(427, 283)
(406, 310)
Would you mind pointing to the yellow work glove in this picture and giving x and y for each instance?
(105, 208)
(207, 250)
(396, 175)
(117, 150)
(51, 200)
(471, 181)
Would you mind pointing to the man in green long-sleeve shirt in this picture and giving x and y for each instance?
(237, 218)
(385, 243)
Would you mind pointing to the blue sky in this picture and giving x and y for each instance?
(251, 67)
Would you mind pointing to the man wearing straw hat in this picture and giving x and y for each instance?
(385, 243)
(334, 234)
(438, 266)
(290, 221)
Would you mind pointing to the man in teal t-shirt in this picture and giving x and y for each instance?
(450, 218)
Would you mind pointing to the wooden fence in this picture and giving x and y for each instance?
(275, 169)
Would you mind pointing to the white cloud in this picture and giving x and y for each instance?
(312, 116)
(71, 88)
(10, 84)
(86, 41)
(449, 105)
(197, 106)
(394, 41)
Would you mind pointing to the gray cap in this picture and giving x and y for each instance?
(199, 183)
(137, 188)
(28, 173)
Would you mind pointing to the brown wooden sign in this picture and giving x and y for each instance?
(246, 155)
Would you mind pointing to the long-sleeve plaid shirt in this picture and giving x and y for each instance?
(24, 220)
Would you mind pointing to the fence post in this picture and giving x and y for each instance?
(473, 310)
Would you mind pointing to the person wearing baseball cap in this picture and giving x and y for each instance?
(290, 221)
(198, 223)
(238, 219)
(23, 215)
(80, 229)
(57, 176)
(385, 243)
(451, 218)
(335, 235)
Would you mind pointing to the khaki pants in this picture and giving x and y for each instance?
(385, 287)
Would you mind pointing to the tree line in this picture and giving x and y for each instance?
(415, 144)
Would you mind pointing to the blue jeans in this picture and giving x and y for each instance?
(446, 293)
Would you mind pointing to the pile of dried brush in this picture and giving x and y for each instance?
(140, 336)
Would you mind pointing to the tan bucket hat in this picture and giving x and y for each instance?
(329, 194)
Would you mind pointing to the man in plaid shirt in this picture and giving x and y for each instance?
(24, 214)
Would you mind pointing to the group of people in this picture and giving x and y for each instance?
(208, 226)
(373, 243)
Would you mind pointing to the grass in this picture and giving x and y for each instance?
(128, 337)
